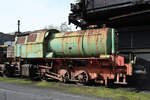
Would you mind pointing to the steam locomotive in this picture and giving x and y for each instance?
(81, 56)
(89, 55)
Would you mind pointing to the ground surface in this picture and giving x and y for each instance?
(25, 89)
(11, 91)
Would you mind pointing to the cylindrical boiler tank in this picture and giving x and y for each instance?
(86, 43)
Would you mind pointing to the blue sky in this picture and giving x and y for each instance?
(34, 14)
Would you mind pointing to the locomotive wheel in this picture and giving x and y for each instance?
(83, 77)
(64, 74)
(66, 77)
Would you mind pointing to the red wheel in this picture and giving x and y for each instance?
(64, 74)
(83, 76)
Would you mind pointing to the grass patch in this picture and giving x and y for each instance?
(102, 92)
(15, 80)
(46, 84)
(116, 94)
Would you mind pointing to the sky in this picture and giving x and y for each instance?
(33, 14)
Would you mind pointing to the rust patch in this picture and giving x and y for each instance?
(40, 37)
(106, 31)
(26, 50)
(21, 40)
(32, 38)
(79, 32)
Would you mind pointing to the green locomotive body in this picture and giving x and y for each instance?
(89, 43)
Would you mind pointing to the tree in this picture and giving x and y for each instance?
(64, 27)
(77, 1)
(52, 27)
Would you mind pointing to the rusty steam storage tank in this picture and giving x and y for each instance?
(86, 43)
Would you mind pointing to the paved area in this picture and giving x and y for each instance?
(11, 91)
